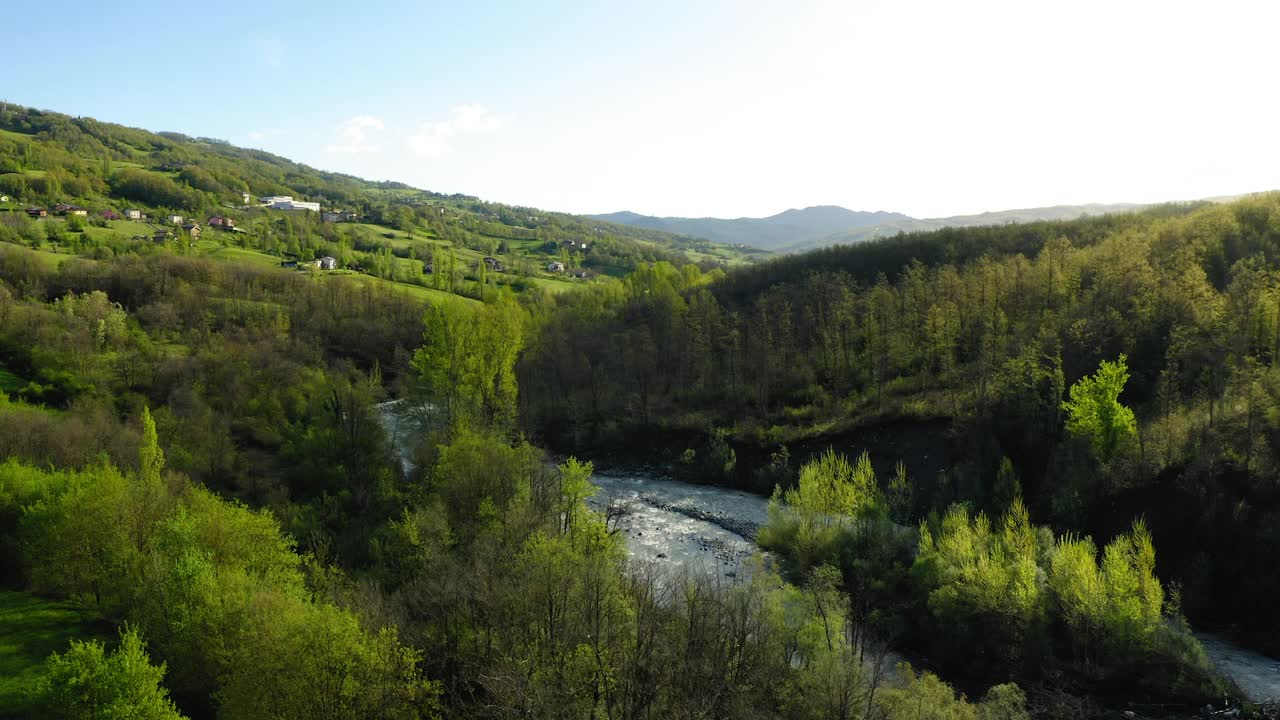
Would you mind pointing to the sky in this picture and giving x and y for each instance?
(722, 108)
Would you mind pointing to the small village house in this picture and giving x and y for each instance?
(77, 211)
(193, 230)
(37, 212)
(327, 263)
(61, 209)
(221, 222)
(337, 216)
(133, 214)
(555, 267)
(174, 219)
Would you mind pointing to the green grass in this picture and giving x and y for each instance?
(16, 135)
(556, 286)
(213, 249)
(30, 630)
(428, 295)
(50, 259)
(130, 228)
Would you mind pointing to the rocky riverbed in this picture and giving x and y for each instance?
(682, 527)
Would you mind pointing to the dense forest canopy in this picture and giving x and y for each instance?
(1028, 456)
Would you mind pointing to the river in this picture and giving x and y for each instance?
(711, 529)
(684, 526)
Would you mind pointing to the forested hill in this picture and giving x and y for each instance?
(954, 351)
(821, 226)
(47, 159)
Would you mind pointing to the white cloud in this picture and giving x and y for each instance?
(355, 135)
(257, 135)
(434, 139)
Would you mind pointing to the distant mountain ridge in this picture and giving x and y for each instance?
(803, 229)
(770, 233)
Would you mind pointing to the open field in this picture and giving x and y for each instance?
(428, 295)
(51, 259)
(214, 249)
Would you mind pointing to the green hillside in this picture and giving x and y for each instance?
(397, 233)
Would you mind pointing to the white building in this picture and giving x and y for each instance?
(133, 214)
(175, 219)
(286, 202)
(327, 263)
(555, 267)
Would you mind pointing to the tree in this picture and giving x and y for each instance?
(831, 491)
(150, 456)
(86, 682)
(833, 486)
(1094, 412)
(467, 361)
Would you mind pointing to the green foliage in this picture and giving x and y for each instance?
(153, 189)
(925, 697)
(984, 585)
(1112, 609)
(87, 682)
(832, 486)
(34, 628)
(831, 496)
(150, 456)
(477, 473)
(1094, 411)
(900, 495)
(998, 592)
(466, 362)
(213, 584)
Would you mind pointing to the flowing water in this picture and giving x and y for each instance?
(681, 526)
(1257, 675)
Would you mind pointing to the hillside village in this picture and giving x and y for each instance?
(77, 186)
(173, 226)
